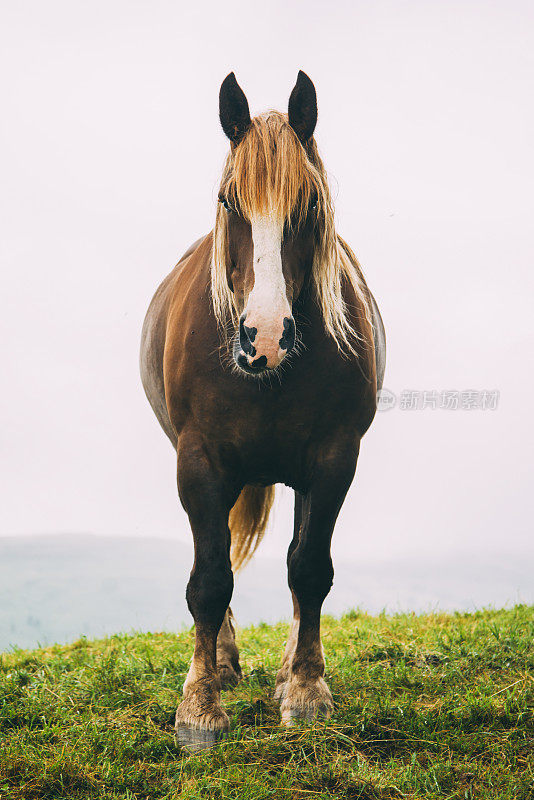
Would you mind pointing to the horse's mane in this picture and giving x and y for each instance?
(270, 170)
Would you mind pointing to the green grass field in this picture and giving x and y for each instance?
(426, 706)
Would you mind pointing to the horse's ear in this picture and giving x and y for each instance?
(302, 109)
(233, 109)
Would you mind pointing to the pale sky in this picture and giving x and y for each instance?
(111, 154)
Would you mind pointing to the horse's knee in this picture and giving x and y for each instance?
(310, 576)
(209, 591)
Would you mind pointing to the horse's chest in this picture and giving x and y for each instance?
(274, 436)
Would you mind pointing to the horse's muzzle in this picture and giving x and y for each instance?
(256, 353)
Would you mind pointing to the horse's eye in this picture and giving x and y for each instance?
(313, 203)
(223, 200)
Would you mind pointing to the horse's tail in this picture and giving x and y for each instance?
(248, 521)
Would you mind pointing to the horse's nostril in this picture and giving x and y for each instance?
(246, 337)
(287, 342)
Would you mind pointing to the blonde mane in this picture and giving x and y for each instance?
(270, 170)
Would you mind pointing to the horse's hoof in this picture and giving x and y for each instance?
(193, 739)
(306, 703)
(294, 716)
(199, 731)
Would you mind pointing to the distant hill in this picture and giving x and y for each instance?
(55, 588)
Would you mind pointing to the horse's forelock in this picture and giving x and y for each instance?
(270, 171)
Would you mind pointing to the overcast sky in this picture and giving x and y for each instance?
(111, 154)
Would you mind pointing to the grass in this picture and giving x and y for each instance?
(426, 706)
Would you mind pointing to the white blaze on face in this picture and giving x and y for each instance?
(267, 305)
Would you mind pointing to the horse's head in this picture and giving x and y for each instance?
(272, 199)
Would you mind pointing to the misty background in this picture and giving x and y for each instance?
(111, 153)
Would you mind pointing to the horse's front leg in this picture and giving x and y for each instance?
(200, 718)
(305, 693)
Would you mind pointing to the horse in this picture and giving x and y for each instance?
(262, 354)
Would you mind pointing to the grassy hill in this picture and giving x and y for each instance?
(426, 706)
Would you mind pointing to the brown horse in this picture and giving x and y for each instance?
(261, 355)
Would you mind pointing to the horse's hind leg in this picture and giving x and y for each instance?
(283, 673)
(228, 654)
(305, 693)
(200, 718)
